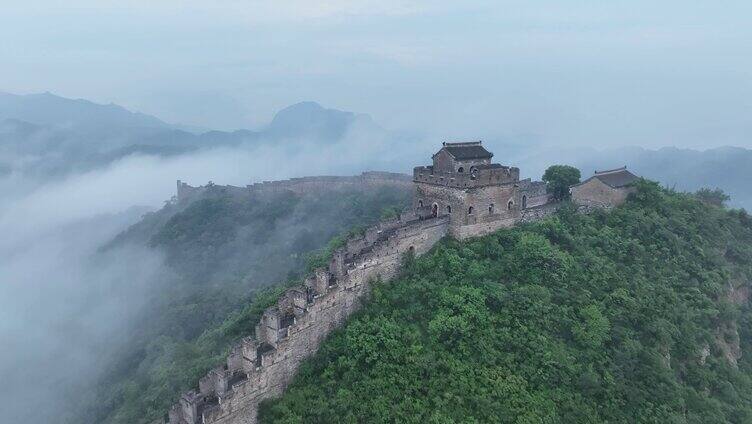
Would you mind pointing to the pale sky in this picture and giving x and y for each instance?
(650, 73)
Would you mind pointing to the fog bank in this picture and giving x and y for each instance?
(65, 307)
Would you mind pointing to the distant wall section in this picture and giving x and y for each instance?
(186, 193)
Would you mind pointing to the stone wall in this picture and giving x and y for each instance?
(482, 228)
(594, 193)
(306, 184)
(186, 192)
(489, 176)
(490, 205)
(534, 193)
(261, 367)
(539, 212)
(444, 162)
(445, 203)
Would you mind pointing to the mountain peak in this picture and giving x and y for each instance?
(50, 109)
(310, 119)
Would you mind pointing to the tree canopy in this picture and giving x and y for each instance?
(715, 197)
(222, 249)
(559, 178)
(632, 316)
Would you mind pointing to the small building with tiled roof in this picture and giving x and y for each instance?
(461, 157)
(605, 188)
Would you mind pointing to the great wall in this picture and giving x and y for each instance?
(456, 197)
(186, 192)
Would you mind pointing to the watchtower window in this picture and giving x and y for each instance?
(449, 208)
(470, 210)
(420, 203)
(524, 202)
(461, 169)
(491, 208)
(435, 210)
(510, 204)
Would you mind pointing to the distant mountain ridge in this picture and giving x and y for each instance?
(49, 109)
(53, 135)
(47, 135)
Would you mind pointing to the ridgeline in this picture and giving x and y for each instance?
(638, 315)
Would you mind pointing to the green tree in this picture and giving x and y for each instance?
(714, 197)
(559, 178)
(618, 317)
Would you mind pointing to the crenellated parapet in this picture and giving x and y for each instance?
(262, 365)
(186, 192)
(462, 194)
(305, 184)
(478, 176)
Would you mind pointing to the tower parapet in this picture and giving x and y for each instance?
(479, 196)
(462, 194)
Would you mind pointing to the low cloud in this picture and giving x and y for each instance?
(65, 306)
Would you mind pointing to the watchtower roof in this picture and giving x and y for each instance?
(614, 178)
(467, 150)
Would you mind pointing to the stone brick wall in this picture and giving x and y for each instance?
(187, 193)
(490, 207)
(501, 175)
(539, 212)
(261, 367)
(534, 193)
(595, 193)
(443, 162)
(307, 184)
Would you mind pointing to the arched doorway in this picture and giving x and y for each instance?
(435, 210)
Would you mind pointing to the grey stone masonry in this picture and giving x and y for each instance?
(478, 196)
(260, 367)
(462, 195)
(187, 192)
(605, 189)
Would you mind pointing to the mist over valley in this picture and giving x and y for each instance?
(123, 293)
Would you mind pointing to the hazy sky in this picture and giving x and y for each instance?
(592, 72)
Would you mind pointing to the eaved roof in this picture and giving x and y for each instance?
(466, 151)
(614, 178)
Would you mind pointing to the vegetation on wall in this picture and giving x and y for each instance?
(639, 315)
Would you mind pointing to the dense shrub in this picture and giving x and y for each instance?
(578, 319)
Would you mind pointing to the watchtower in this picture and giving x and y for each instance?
(479, 196)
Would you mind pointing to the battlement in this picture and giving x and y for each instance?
(186, 192)
(288, 332)
(462, 194)
(486, 175)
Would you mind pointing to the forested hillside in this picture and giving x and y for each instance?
(640, 315)
(222, 252)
